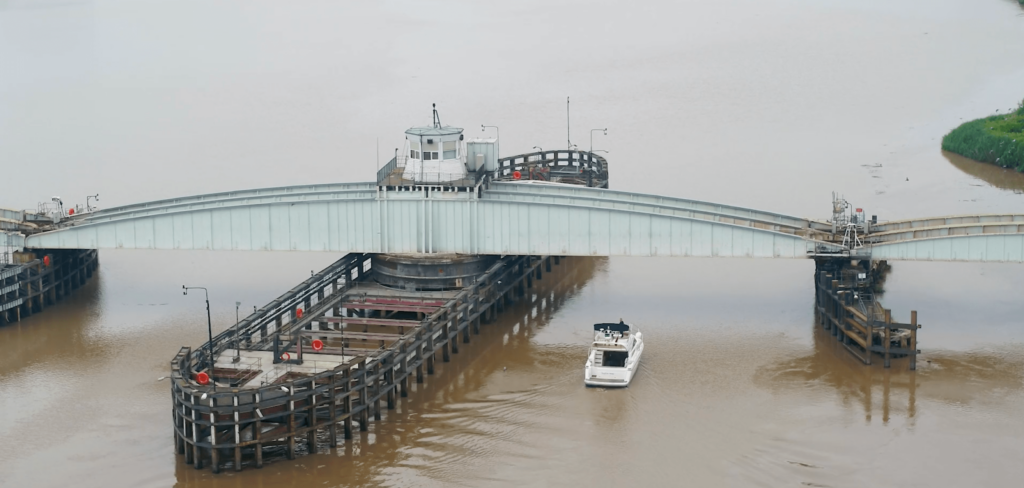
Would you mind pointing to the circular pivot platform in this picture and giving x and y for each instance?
(429, 272)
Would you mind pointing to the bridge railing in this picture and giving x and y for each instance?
(580, 167)
(392, 175)
(387, 169)
(259, 329)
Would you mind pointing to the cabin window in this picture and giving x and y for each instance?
(449, 150)
(614, 359)
(414, 154)
(430, 155)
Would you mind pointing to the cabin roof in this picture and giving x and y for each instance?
(619, 327)
(434, 131)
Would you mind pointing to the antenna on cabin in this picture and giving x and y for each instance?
(568, 140)
(437, 118)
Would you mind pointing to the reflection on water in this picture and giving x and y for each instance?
(871, 388)
(991, 174)
(772, 106)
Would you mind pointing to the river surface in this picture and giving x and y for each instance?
(767, 104)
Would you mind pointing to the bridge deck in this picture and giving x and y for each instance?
(518, 218)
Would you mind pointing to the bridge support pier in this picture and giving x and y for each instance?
(847, 309)
(384, 338)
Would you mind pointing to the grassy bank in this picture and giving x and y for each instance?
(998, 139)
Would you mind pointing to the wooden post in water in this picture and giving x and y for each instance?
(214, 455)
(346, 402)
(833, 305)
(238, 435)
(258, 433)
(913, 341)
(376, 391)
(888, 331)
(421, 352)
(197, 454)
(332, 412)
(445, 357)
(364, 413)
(389, 384)
(404, 371)
(841, 319)
(453, 340)
(311, 419)
(187, 431)
(291, 422)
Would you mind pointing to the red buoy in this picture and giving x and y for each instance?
(285, 356)
(71, 211)
(298, 313)
(318, 344)
(517, 175)
(46, 260)
(202, 378)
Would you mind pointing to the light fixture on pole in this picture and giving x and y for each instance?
(497, 133)
(238, 350)
(592, 131)
(88, 208)
(209, 324)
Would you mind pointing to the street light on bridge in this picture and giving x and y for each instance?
(209, 323)
(497, 133)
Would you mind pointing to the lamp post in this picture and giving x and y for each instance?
(209, 323)
(238, 350)
(497, 133)
(592, 131)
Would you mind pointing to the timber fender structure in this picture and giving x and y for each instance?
(318, 380)
(42, 278)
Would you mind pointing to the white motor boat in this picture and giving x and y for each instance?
(614, 355)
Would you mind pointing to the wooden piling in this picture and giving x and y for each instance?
(913, 340)
(886, 337)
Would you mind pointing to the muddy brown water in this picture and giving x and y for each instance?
(771, 105)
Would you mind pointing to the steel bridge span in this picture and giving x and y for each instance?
(522, 218)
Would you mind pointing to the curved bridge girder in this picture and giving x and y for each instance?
(946, 221)
(995, 248)
(977, 238)
(510, 218)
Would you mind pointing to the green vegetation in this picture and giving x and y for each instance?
(998, 139)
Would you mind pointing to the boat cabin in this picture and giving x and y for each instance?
(612, 343)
